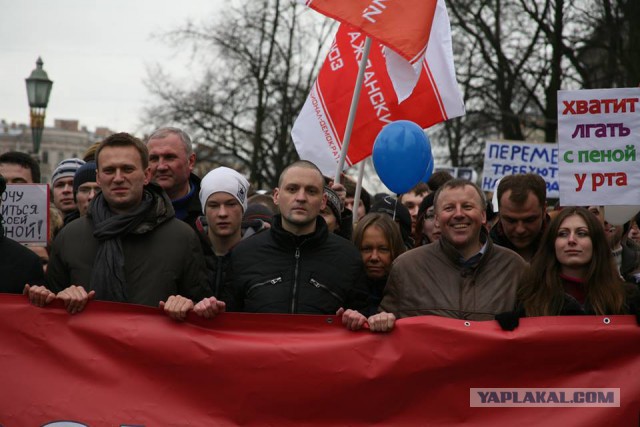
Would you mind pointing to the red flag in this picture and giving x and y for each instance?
(403, 26)
(319, 129)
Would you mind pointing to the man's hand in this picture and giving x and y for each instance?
(38, 295)
(209, 307)
(341, 191)
(351, 319)
(177, 307)
(381, 322)
(75, 298)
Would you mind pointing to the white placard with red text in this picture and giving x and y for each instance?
(599, 135)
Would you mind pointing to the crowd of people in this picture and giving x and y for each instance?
(132, 223)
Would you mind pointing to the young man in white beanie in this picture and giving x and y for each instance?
(223, 196)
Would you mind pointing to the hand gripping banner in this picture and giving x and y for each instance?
(124, 365)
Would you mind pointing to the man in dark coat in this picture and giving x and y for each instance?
(129, 247)
(296, 266)
(172, 159)
(522, 204)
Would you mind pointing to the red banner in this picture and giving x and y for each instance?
(117, 364)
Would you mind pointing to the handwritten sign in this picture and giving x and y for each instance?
(502, 158)
(25, 212)
(598, 134)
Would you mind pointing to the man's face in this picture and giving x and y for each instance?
(522, 223)
(348, 204)
(224, 214)
(86, 192)
(170, 165)
(15, 174)
(329, 218)
(63, 194)
(412, 202)
(300, 198)
(121, 177)
(460, 215)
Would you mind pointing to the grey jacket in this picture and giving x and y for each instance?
(431, 279)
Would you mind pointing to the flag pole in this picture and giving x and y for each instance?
(353, 109)
(356, 196)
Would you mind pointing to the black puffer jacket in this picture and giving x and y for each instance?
(278, 272)
(217, 265)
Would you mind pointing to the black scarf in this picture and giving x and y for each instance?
(107, 277)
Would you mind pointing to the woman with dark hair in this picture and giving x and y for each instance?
(572, 273)
(427, 230)
(379, 240)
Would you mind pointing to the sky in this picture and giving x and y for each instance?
(97, 52)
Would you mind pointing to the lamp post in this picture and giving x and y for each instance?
(38, 91)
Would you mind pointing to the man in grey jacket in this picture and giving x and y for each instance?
(463, 275)
(129, 247)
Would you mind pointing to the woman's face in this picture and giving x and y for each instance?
(429, 226)
(376, 253)
(634, 232)
(574, 248)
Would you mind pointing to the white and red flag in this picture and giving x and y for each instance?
(403, 27)
(319, 129)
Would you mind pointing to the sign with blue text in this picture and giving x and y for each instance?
(502, 158)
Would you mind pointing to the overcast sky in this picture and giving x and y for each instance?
(96, 52)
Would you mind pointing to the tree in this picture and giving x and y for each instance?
(264, 56)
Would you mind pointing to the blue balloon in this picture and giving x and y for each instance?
(430, 167)
(401, 155)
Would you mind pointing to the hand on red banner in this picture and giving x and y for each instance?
(352, 319)
(177, 307)
(382, 322)
(75, 298)
(38, 295)
(209, 307)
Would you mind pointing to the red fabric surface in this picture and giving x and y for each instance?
(117, 364)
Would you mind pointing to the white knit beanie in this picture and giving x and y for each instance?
(66, 168)
(226, 180)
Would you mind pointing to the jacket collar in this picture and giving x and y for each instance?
(290, 240)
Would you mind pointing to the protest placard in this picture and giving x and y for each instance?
(25, 213)
(598, 137)
(503, 158)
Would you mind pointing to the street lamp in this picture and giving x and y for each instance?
(38, 91)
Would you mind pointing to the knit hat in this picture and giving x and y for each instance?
(226, 180)
(399, 213)
(257, 211)
(66, 168)
(425, 204)
(85, 173)
(334, 202)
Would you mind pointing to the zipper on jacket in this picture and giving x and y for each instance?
(218, 279)
(294, 296)
(268, 282)
(319, 285)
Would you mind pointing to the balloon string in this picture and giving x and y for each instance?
(395, 208)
